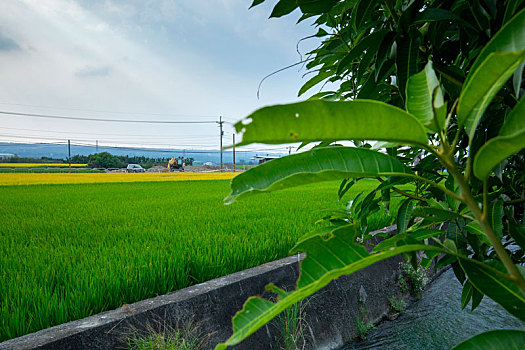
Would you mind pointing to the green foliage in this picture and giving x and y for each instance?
(17, 159)
(104, 160)
(449, 64)
(495, 340)
(108, 160)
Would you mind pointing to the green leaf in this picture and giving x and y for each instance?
(488, 278)
(477, 297)
(345, 186)
(325, 261)
(514, 123)
(321, 164)
(256, 2)
(475, 228)
(402, 239)
(517, 78)
(316, 6)
(496, 217)
(437, 14)
(406, 59)
(404, 215)
(495, 340)
(283, 7)
(510, 38)
(497, 149)
(466, 294)
(493, 66)
(362, 11)
(318, 120)
(483, 84)
(323, 75)
(358, 49)
(518, 233)
(420, 96)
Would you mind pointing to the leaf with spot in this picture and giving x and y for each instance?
(318, 120)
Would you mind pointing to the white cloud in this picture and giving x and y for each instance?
(178, 57)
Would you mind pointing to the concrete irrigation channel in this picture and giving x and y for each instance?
(330, 315)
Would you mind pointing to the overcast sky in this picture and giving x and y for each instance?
(156, 59)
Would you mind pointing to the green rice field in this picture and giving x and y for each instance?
(70, 251)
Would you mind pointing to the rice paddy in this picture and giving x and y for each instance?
(82, 178)
(68, 251)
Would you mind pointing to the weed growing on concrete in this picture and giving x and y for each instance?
(292, 325)
(361, 322)
(165, 337)
(417, 279)
(397, 304)
(402, 284)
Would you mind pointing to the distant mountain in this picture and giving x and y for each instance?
(39, 150)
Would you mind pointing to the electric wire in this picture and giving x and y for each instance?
(107, 120)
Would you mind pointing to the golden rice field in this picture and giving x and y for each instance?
(79, 178)
(37, 165)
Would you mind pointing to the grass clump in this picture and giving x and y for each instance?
(162, 336)
(292, 325)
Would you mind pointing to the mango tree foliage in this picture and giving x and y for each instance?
(446, 83)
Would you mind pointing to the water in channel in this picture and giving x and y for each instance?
(436, 322)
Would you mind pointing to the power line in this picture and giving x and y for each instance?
(110, 112)
(189, 151)
(157, 136)
(106, 141)
(106, 120)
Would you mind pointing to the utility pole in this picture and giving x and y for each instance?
(220, 122)
(289, 150)
(233, 152)
(96, 148)
(69, 154)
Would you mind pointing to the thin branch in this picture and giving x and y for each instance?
(514, 201)
(406, 194)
